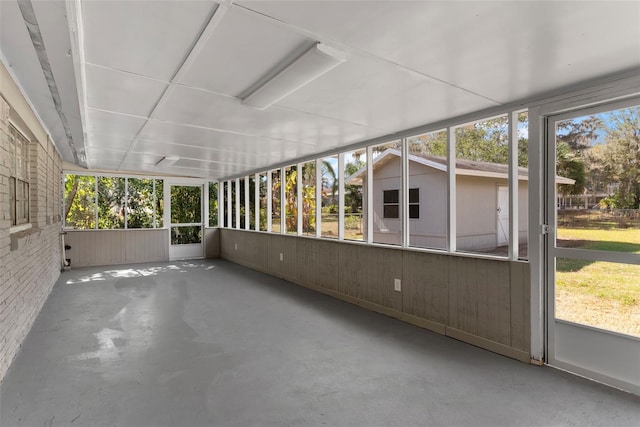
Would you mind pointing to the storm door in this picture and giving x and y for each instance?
(593, 243)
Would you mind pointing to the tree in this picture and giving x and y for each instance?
(620, 157)
(353, 193)
(570, 165)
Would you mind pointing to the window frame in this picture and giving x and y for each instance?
(391, 204)
(19, 179)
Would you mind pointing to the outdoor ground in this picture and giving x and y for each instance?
(601, 294)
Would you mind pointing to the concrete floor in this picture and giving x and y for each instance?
(210, 343)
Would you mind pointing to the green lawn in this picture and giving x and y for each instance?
(601, 294)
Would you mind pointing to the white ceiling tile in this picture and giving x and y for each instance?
(150, 38)
(502, 50)
(190, 106)
(121, 92)
(247, 160)
(234, 59)
(268, 149)
(381, 95)
(111, 129)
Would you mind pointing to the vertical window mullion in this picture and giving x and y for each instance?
(283, 200)
(404, 195)
(369, 194)
(514, 185)
(299, 201)
(319, 197)
(126, 202)
(256, 200)
(269, 201)
(341, 196)
(451, 190)
(229, 207)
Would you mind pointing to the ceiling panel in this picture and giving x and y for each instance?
(225, 141)
(247, 160)
(117, 91)
(234, 59)
(502, 50)
(190, 106)
(150, 38)
(394, 98)
(110, 129)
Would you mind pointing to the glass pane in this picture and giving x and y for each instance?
(80, 202)
(329, 220)
(111, 202)
(159, 203)
(186, 204)
(213, 204)
(309, 199)
(428, 176)
(482, 185)
(186, 235)
(275, 201)
(601, 294)
(225, 204)
(263, 202)
(140, 203)
(598, 181)
(291, 199)
(242, 198)
(234, 208)
(387, 183)
(355, 172)
(523, 185)
(12, 200)
(252, 202)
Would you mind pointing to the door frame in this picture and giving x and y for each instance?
(175, 252)
(605, 356)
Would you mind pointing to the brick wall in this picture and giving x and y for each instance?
(30, 260)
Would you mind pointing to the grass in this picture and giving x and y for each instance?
(601, 294)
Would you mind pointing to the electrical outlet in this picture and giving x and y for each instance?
(281, 256)
(397, 286)
(236, 246)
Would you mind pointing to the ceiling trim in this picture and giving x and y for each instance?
(76, 36)
(33, 28)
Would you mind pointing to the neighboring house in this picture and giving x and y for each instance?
(482, 218)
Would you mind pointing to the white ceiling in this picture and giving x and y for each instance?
(139, 80)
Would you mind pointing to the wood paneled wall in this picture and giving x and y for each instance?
(484, 302)
(111, 247)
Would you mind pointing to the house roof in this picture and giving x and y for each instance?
(463, 167)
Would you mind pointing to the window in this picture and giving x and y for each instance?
(213, 204)
(112, 202)
(414, 203)
(18, 177)
(391, 201)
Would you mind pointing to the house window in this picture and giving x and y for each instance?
(414, 203)
(391, 202)
(18, 177)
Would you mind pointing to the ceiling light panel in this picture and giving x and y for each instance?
(149, 38)
(314, 63)
(244, 47)
(122, 92)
